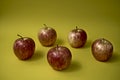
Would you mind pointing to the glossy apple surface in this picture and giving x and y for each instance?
(77, 38)
(47, 36)
(24, 48)
(59, 57)
(102, 49)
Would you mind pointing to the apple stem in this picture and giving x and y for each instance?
(19, 36)
(76, 27)
(57, 47)
(45, 25)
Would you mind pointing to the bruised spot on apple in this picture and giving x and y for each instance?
(102, 49)
(59, 57)
(24, 47)
(77, 38)
(47, 36)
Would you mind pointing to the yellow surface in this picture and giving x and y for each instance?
(100, 18)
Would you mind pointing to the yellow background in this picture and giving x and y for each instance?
(99, 18)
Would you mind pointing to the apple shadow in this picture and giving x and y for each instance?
(115, 58)
(37, 55)
(88, 44)
(75, 66)
(59, 42)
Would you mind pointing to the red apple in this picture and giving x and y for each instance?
(102, 49)
(77, 38)
(24, 47)
(59, 57)
(47, 36)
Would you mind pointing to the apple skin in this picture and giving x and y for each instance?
(102, 49)
(59, 57)
(77, 38)
(24, 48)
(47, 36)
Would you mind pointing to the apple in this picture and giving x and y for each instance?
(59, 57)
(77, 38)
(24, 47)
(47, 36)
(102, 49)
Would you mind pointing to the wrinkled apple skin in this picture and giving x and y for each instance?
(24, 48)
(59, 57)
(102, 49)
(47, 36)
(77, 38)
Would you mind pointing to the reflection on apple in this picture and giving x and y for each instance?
(77, 38)
(24, 47)
(102, 49)
(47, 36)
(59, 57)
